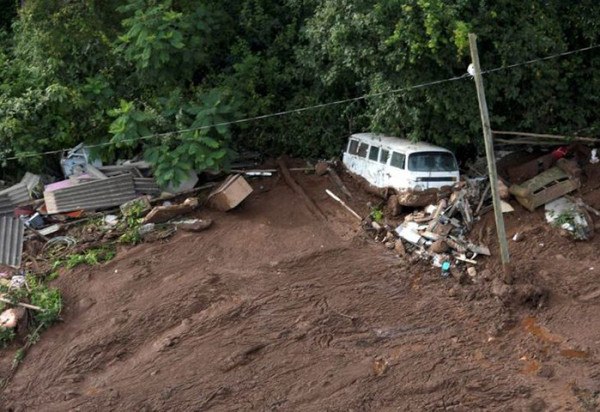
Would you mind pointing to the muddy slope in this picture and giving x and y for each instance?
(274, 308)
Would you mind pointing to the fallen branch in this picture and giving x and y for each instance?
(24, 305)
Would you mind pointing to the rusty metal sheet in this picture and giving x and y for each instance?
(98, 194)
(11, 241)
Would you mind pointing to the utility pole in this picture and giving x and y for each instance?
(491, 160)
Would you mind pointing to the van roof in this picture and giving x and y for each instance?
(391, 142)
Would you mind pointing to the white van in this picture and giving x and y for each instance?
(386, 161)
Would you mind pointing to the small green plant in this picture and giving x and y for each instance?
(49, 299)
(131, 236)
(91, 257)
(376, 214)
(19, 356)
(6, 336)
(52, 275)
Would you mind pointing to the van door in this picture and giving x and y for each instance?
(383, 174)
(397, 170)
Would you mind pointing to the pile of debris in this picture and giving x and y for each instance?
(124, 192)
(439, 232)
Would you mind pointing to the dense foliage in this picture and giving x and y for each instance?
(116, 72)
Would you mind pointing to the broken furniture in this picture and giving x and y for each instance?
(545, 187)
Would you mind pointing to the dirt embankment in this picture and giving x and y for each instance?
(274, 308)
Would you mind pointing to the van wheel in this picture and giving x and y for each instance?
(393, 206)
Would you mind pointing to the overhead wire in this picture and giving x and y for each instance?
(307, 108)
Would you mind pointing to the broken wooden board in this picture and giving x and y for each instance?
(161, 214)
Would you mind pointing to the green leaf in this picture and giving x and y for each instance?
(210, 142)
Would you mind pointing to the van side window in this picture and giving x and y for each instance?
(362, 150)
(373, 153)
(353, 147)
(398, 160)
(385, 155)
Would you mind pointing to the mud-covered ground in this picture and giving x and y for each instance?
(274, 308)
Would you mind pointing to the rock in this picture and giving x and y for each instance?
(390, 245)
(399, 248)
(193, 225)
(393, 206)
(417, 198)
(136, 207)
(518, 237)
(10, 317)
(471, 271)
(439, 246)
(380, 366)
(321, 168)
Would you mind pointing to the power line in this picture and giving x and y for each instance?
(554, 56)
(313, 107)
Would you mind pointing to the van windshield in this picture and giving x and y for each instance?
(432, 162)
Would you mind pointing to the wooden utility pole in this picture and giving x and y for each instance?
(491, 160)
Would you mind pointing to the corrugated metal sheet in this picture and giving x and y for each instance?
(12, 197)
(146, 186)
(11, 241)
(94, 195)
(30, 181)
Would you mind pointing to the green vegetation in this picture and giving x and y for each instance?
(38, 294)
(91, 257)
(114, 72)
(377, 214)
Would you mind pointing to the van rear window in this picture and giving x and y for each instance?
(362, 150)
(398, 160)
(432, 162)
(353, 147)
(373, 153)
(384, 156)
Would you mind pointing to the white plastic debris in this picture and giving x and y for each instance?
(408, 232)
(565, 214)
(111, 220)
(17, 282)
(430, 209)
(594, 158)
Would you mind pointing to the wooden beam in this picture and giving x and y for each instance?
(548, 136)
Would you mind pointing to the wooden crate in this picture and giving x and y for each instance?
(230, 193)
(545, 187)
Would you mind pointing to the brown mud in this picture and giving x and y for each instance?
(273, 309)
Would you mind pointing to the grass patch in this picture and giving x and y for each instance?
(90, 257)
